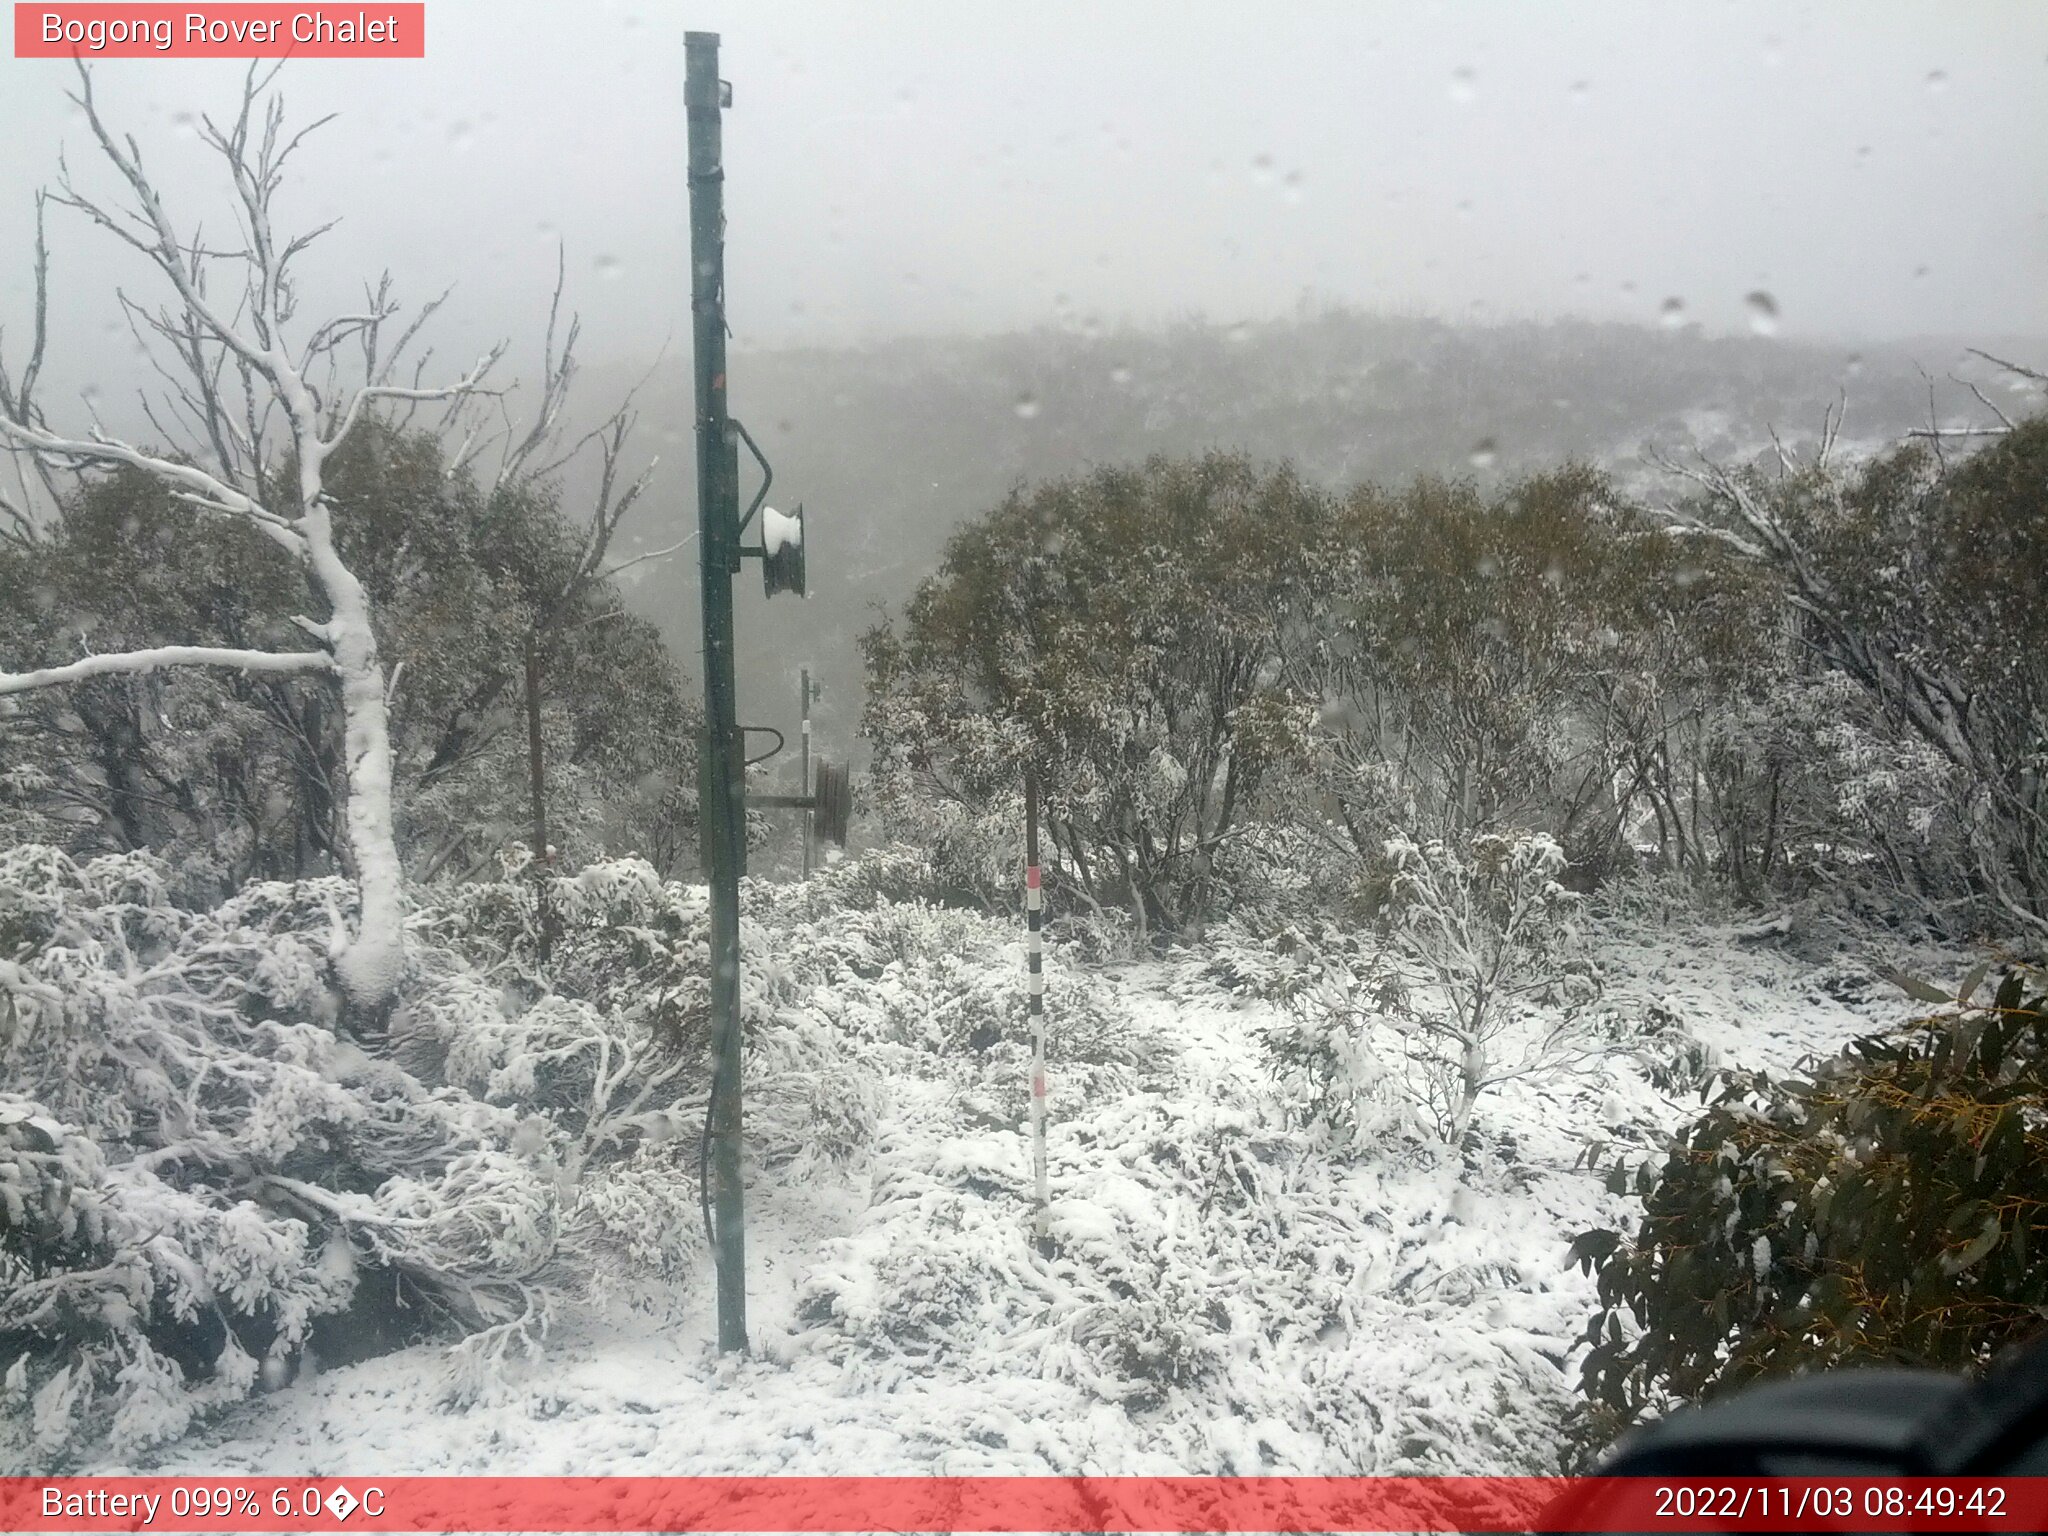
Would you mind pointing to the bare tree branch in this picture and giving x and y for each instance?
(471, 384)
(658, 554)
(2024, 372)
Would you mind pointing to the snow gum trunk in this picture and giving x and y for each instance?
(372, 959)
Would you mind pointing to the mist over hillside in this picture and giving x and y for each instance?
(892, 445)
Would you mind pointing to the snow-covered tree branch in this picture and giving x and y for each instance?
(166, 656)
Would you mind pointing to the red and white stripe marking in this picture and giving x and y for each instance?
(1034, 960)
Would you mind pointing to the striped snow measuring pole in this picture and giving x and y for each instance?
(1034, 960)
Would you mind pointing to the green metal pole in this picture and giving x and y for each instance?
(721, 779)
(803, 689)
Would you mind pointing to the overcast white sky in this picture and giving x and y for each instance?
(1880, 169)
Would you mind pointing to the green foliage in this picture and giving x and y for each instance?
(1529, 657)
(1117, 632)
(234, 777)
(1891, 1207)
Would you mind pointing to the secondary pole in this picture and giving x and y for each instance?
(721, 780)
(1034, 904)
(542, 866)
(810, 820)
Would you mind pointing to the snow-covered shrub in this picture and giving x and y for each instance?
(1655, 900)
(1675, 1060)
(1323, 1058)
(1281, 963)
(1148, 1343)
(1502, 985)
(1150, 706)
(198, 1177)
(1282, 874)
(145, 1275)
(889, 872)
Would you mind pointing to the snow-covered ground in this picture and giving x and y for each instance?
(1226, 1296)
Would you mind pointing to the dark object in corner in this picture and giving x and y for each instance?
(1877, 1422)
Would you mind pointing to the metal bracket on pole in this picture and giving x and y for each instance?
(767, 474)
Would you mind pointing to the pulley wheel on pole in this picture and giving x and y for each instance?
(833, 801)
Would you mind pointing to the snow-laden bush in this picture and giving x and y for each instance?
(198, 1177)
(1222, 1298)
(1489, 929)
(161, 1065)
(1673, 1058)
(947, 986)
(1882, 1206)
(1484, 983)
(1282, 874)
(1279, 963)
(1323, 1064)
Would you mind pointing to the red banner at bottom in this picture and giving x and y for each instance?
(1016, 1504)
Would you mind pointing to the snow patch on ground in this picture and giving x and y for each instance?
(1225, 1296)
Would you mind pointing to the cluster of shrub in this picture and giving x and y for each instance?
(1230, 682)
(206, 1183)
(1451, 713)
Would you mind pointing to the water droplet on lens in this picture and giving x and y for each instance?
(1672, 315)
(609, 267)
(1027, 407)
(1119, 374)
(1464, 85)
(1240, 332)
(461, 136)
(1483, 454)
(1763, 313)
(1581, 92)
(1937, 80)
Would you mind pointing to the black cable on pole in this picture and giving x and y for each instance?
(704, 1165)
(781, 741)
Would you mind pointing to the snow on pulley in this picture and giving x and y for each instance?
(782, 551)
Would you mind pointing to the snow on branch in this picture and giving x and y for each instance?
(470, 384)
(151, 660)
(198, 487)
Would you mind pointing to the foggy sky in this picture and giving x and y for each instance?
(1879, 170)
